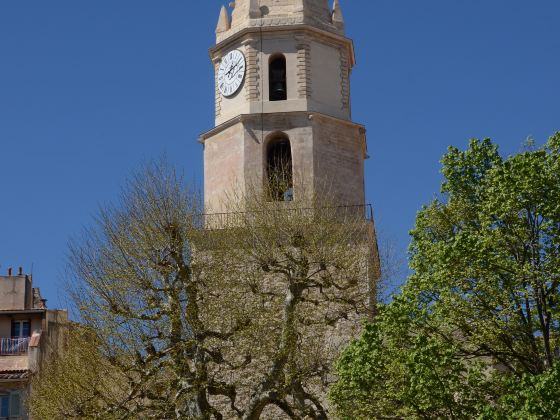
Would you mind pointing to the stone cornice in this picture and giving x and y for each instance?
(320, 34)
(229, 123)
(313, 116)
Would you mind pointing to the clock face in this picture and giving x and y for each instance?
(231, 73)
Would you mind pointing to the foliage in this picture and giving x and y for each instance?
(389, 375)
(530, 398)
(208, 316)
(302, 268)
(138, 281)
(77, 383)
(480, 314)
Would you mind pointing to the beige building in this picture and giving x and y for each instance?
(283, 111)
(283, 123)
(283, 101)
(28, 332)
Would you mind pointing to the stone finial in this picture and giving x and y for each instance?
(254, 9)
(337, 17)
(224, 23)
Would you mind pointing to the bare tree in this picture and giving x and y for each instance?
(77, 383)
(307, 268)
(211, 316)
(138, 282)
(393, 264)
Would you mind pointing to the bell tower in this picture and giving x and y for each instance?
(283, 103)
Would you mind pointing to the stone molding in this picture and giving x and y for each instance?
(304, 81)
(253, 77)
(280, 20)
(345, 79)
(309, 31)
(218, 95)
(312, 116)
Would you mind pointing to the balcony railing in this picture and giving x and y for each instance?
(14, 346)
(340, 214)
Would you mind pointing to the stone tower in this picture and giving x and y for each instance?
(285, 97)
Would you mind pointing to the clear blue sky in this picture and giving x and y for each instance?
(91, 89)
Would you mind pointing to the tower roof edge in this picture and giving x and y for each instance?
(273, 13)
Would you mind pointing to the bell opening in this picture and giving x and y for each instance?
(277, 79)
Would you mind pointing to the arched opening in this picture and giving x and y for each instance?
(279, 169)
(278, 88)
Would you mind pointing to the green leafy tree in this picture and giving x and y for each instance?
(531, 397)
(480, 312)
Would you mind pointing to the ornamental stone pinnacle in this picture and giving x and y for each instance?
(337, 17)
(223, 22)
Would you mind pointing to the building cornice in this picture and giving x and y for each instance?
(22, 311)
(249, 32)
(312, 115)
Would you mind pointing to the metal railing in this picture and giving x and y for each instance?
(340, 214)
(14, 346)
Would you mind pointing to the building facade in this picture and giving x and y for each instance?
(283, 126)
(283, 102)
(28, 333)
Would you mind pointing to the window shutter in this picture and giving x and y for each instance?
(26, 329)
(15, 404)
(4, 405)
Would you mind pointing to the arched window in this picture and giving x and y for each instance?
(277, 78)
(279, 169)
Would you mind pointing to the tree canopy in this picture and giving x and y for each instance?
(474, 332)
(201, 316)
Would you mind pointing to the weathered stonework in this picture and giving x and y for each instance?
(217, 95)
(318, 67)
(266, 13)
(327, 149)
(328, 153)
(339, 151)
(345, 79)
(303, 67)
(252, 86)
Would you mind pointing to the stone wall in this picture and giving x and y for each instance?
(223, 167)
(339, 153)
(328, 156)
(317, 73)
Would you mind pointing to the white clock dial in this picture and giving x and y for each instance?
(231, 73)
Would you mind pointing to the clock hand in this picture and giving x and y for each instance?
(238, 70)
(233, 67)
